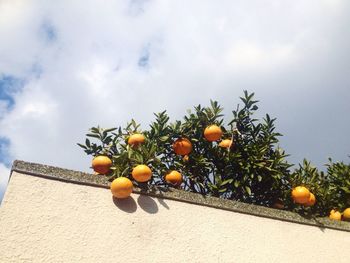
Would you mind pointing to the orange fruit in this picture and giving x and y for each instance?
(141, 173)
(311, 201)
(174, 178)
(121, 187)
(101, 164)
(335, 215)
(278, 204)
(136, 139)
(212, 133)
(182, 146)
(225, 143)
(186, 158)
(301, 195)
(346, 214)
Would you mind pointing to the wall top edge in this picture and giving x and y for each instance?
(77, 177)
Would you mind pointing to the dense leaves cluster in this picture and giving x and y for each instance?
(252, 170)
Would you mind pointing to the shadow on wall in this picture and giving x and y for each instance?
(145, 202)
(127, 205)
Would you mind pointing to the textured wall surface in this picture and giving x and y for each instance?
(43, 220)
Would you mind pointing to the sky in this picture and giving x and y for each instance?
(66, 66)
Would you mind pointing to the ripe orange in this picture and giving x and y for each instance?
(301, 195)
(182, 146)
(141, 173)
(278, 204)
(186, 158)
(101, 164)
(121, 187)
(225, 143)
(136, 139)
(346, 214)
(212, 133)
(335, 215)
(174, 178)
(311, 201)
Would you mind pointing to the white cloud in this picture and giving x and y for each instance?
(294, 54)
(249, 56)
(3, 107)
(4, 175)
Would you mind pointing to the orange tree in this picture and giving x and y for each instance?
(236, 159)
(339, 181)
(331, 188)
(251, 168)
(316, 182)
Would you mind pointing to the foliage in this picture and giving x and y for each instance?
(332, 189)
(315, 180)
(339, 180)
(252, 170)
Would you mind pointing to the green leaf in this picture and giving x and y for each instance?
(94, 130)
(93, 135)
(223, 190)
(228, 181)
(129, 152)
(164, 138)
(82, 146)
(133, 122)
(87, 142)
(125, 171)
(110, 129)
(139, 158)
(345, 189)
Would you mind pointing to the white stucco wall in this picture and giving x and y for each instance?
(43, 220)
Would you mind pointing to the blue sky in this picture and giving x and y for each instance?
(8, 86)
(69, 66)
(4, 158)
(48, 31)
(144, 59)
